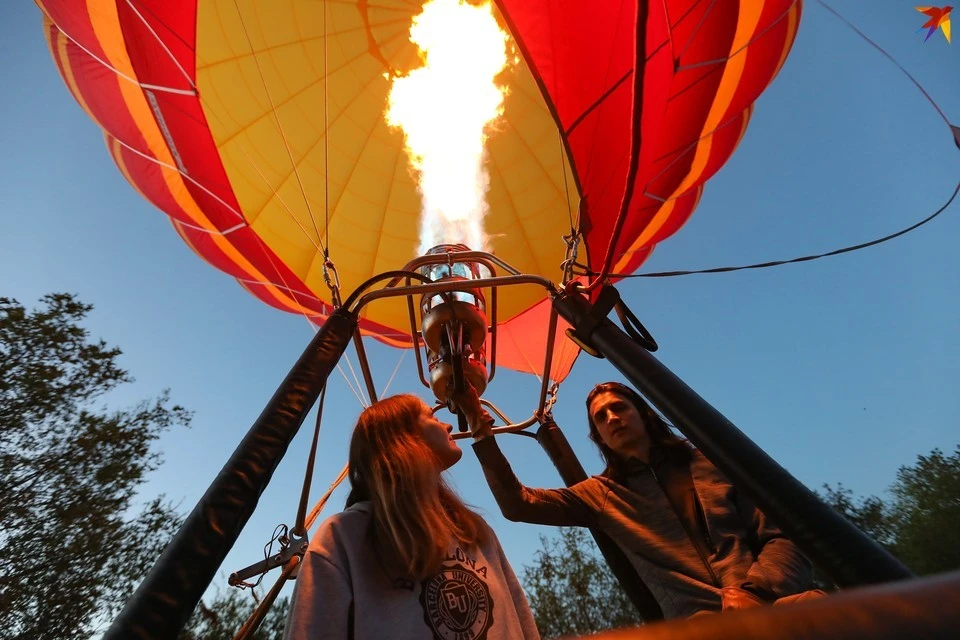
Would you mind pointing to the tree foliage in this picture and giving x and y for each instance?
(920, 522)
(926, 513)
(223, 616)
(72, 546)
(571, 589)
(871, 515)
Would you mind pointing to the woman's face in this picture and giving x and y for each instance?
(436, 435)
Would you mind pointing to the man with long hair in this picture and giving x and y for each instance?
(697, 543)
(407, 559)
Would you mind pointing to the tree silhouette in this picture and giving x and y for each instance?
(73, 546)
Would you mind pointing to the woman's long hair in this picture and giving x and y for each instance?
(659, 431)
(416, 515)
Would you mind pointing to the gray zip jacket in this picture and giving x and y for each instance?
(742, 549)
(343, 592)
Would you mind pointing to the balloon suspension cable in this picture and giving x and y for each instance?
(572, 239)
(295, 168)
(364, 364)
(326, 131)
(292, 546)
(332, 279)
(299, 528)
(547, 363)
(570, 267)
(403, 354)
(546, 412)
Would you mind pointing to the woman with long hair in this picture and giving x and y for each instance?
(406, 558)
(697, 543)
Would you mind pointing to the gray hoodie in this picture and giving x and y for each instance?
(343, 592)
(743, 549)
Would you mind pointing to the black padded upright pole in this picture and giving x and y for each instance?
(845, 553)
(561, 454)
(163, 602)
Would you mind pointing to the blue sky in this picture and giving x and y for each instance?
(842, 369)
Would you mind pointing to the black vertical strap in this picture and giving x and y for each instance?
(299, 526)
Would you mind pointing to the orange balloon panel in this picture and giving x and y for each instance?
(258, 128)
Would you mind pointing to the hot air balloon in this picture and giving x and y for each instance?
(259, 128)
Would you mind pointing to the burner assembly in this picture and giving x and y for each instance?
(454, 325)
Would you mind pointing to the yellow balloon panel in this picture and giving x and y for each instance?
(272, 107)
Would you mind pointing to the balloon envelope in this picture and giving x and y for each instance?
(258, 128)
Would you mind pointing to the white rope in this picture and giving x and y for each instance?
(155, 87)
(182, 170)
(213, 232)
(360, 399)
(323, 305)
(187, 176)
(360, 386)
(209, 109)
(276, 117)
(162, 44)
(310, 323)
(403, 355)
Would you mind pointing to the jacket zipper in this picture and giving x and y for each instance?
(703, 521)
(699, 508)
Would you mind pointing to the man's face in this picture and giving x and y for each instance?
(619, 424)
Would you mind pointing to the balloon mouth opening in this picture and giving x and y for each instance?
(454, 324)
